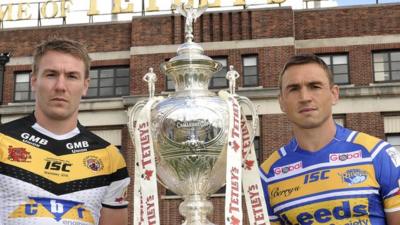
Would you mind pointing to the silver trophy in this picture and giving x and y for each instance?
(189, 128)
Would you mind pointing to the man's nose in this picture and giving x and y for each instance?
(60, 83)
(305, 94)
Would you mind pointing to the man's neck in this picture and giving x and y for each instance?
(55, 126)
(316, 138)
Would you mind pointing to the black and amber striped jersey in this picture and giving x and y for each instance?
(353, 180)
(48, 181)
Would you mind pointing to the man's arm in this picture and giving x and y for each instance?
(393, 218)
(110, 216)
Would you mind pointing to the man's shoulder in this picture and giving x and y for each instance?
(89, 135)
(272, 160)
(367, 141)
(19, 123)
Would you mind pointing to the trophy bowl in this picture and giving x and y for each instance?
(189, 130)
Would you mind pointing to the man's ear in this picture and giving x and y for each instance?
(33, 81)
(335, 94)
(281, 105)
(86, 86)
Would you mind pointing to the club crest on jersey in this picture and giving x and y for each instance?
(18, 154)
(57, 209)
(347, 156)
(288, 168)
(93, 163)
(354, 176)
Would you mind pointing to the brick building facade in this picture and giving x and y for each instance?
(366, 37)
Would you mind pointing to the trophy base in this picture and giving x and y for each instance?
(195, 209)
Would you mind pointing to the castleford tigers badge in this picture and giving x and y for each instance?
(93, 163)
(18, 154)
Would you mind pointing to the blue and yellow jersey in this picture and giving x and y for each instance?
(353, 180)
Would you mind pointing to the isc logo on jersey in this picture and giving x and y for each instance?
(56, 209)
(288, 168)
(343, 212)
(348, 156)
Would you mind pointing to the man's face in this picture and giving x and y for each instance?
(59, 85)
(306, 96)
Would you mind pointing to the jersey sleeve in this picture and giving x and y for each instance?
(264, 170)
(386, 161)
(116, 194)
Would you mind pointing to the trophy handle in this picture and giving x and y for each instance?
(244, 101)
(132, 114)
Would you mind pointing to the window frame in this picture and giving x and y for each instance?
(211, 84)
(330, 66)
(114, 77)
(257, 71)
(31, 95)
(390, 71)
(167, 80)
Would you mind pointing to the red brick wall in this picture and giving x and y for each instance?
(98, 37)
(344, 22)
(370, 123)
(275, 132)
(214, 26)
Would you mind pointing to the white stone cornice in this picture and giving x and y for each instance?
(219, 45)
(347, 41)
(95, 56)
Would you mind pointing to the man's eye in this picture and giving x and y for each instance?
(73, 76)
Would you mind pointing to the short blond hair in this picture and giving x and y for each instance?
(62, 45)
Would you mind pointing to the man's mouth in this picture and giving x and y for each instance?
(306, 110)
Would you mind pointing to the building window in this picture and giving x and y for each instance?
(386, 66)
(257, 149)
(218, 80)
(108, 82)
(169, 83)
(339, 66)
(22, 90)
(394, 139)
(250, 71)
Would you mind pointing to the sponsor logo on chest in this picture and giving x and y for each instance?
(33, 140)
(78, 146)
(347, 156)
(346, 212)
(288, 168)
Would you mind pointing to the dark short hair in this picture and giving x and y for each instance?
(302, 59)
(62, 45)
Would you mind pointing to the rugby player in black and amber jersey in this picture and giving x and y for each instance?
(52, 169)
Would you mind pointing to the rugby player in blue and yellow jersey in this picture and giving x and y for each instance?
(327, 174)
